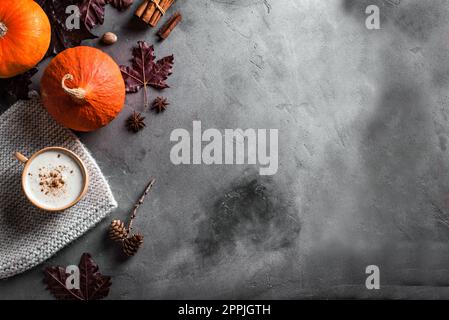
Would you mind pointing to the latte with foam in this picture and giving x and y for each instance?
(54, 180)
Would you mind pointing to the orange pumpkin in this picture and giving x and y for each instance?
(83, 88)
(25, 35)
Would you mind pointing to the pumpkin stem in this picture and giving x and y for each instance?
(3, 29)
(78, 93)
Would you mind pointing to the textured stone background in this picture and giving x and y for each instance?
(363, 177)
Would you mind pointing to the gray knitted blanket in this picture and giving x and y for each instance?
(29, 236)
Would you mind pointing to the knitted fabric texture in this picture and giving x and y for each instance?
(29, 236)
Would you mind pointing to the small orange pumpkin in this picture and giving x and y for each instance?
(83, 88)
(25, 35)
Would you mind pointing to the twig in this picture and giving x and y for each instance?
(145, 96)
(139, 203)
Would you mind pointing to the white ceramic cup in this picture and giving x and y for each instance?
(27, 163)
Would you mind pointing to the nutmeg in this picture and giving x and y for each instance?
(109, 38)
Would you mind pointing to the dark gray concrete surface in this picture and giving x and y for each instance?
(363, 177)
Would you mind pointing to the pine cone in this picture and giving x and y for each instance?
(117, 230)
(132, 244)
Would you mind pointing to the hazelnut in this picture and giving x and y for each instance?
(109, 38)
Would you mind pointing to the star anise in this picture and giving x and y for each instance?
(160, 104)
(135, 122)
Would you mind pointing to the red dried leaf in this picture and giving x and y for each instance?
(93, 285)
(16, 88)
(145, 71)
(121, 5)
(62, 37)
(55, 278)
(92, 12)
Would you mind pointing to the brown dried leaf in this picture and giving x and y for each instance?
(145, 71)
(93, 285)
(92, 12)
(121, 5)
(16, 88)
(62, 37)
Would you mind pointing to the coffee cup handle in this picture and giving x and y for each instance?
(21, 157)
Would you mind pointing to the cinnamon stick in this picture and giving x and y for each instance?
(168, 27)
(164, 4)
(142, 7)
(151, 11)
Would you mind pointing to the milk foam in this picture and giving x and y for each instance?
(54, 180)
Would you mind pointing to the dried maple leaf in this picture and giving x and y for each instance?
(121, 5)
(16, 88)
(61, 36)
(93, 285)
(145, 71)
(55, 279)
(92, 12)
